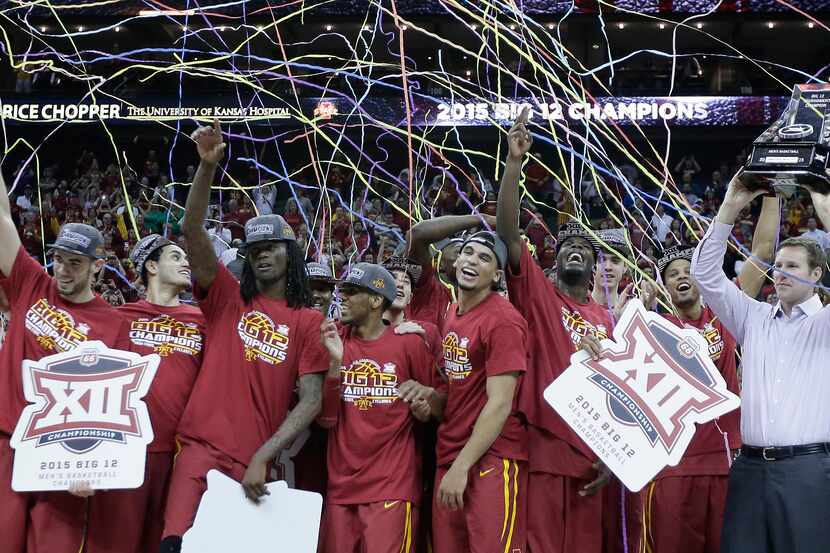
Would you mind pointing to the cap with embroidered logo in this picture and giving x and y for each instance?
(268, 227)
(672, 254)
(80, 239)
(372, 277)
(319, 272)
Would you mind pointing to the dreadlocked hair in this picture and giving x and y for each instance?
(297, 292)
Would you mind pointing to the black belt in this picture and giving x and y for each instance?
(784, 452)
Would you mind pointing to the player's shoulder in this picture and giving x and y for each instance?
(504, 312)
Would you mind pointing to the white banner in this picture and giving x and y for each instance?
(86, 422)
(637, 406)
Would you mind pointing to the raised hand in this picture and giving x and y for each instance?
(331, 340)
(518, 137)
(209, 143)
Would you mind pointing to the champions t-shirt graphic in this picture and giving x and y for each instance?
(366, 384)
(166, 335)
(578, 327)
(456, 357)
(262, 338)
(54, 328)
(176, 335)
(43, 323)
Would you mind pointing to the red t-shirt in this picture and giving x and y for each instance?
(556, 323)
(372, 454)
(43, 323)
(430, 299)
(176, 334)
(706, 454)
(488, 340)
(253, 356)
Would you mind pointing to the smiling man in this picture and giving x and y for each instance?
(481, 482)
(778, 486)
(48, 315)
(263, 341)
(163, 325)
(321, 282)
(374, 488)
(564, 511)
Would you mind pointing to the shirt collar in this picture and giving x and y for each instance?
(808, 307)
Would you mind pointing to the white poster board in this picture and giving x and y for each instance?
(86, 422)
(636, 407)
(285, 520)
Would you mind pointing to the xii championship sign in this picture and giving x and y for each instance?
(638, 405)
(86, 423)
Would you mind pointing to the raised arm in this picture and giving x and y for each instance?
(724, 298)
(507, 213)
(754, 270)
(8, 233)
(430, 231)
(203, 260)
(822, 204)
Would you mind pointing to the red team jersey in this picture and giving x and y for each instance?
(253, 357)
(706, 454)
(556, 324)
(488, 340)
(430, 299)
(42, 324)
(176, 334)
(372, 453)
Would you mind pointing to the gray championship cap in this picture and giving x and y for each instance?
(319, 272)
(490, 240)
(672, 254)
(267, 227)
(145, 248)
(80, 239)
(572, 229)
(372, 277)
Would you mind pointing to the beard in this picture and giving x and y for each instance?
(574, 275)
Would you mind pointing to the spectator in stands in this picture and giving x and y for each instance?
(816, 233)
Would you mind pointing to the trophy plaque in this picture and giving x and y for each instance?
(794, 151)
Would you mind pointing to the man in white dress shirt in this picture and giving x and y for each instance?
(778, 499)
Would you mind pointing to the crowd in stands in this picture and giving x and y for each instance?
(374, 226)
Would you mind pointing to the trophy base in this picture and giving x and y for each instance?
(782, 169)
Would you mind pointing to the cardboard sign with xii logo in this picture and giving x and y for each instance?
(637, 407)
(86, 421)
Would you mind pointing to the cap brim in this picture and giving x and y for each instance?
(51, 247)
(327, 280)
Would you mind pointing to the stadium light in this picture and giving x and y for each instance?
(662, 26)
(80, 28)
(621, 25)
(512, 27)
(43, 29)
(699, 25)
(118, 29)
(810, 25)
(771, 25)
(551, 26)
(329, 27)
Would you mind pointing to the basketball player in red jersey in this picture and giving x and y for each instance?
(683, 507)
(565, 513)
(48, 315)
(132, 520)
(375, 480)
(262, 341)
(481, 484)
